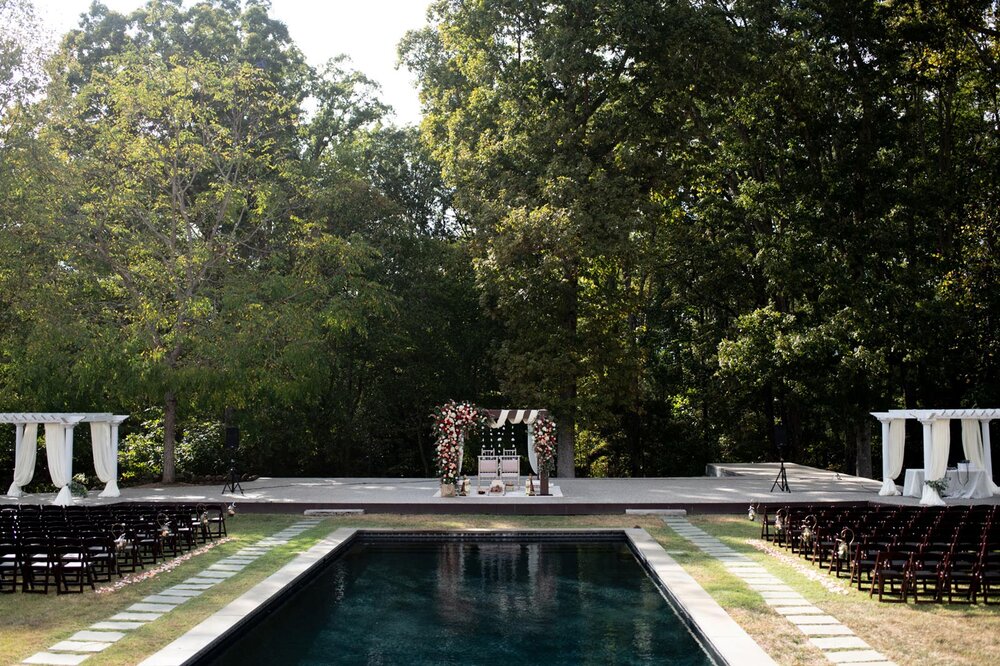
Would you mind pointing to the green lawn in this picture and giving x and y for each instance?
(907, 634)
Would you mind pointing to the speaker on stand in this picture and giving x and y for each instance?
(232, 444)
(780, 442)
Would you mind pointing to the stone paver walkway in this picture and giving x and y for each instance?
(837, 641)
(101, 635)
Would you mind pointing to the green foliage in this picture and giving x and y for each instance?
(78, 486)
(697, 220)
(201, 451)
(140, 455)
(673, 224)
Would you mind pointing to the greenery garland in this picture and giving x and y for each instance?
(939, 485)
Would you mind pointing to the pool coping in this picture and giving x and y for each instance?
(726, 641)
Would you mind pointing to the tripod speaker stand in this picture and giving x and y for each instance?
(232, 443)
(780, 440)
(781, 481)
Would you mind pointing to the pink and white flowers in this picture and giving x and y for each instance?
(140, 576)
(544, 430)
(451, 421)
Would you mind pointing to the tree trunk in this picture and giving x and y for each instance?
(423, 454)
(863, 445)
(566, 410)
(169, 436)
(633, 430)
(566, 447)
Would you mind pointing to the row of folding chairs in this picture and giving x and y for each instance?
(936, 575)
(210, 516)
(66, 566)
(900, 552)
(37, 553)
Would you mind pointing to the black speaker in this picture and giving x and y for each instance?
(780, 438)
(232, 438)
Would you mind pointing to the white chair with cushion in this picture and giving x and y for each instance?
(487, 469)
(510, 468)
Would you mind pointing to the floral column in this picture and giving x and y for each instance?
(451, 421)
(544, 432)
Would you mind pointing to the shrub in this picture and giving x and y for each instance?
(200, 452)
(140, 454)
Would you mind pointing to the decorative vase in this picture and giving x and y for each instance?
(447, 489)
(543, 482)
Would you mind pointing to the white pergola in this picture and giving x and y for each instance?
(59, 449)
(937, 445)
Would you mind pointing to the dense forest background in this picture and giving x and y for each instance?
(675, 223)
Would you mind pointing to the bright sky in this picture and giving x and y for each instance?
(367, 31)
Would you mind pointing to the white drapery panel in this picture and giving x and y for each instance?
(892, 463)
(59, 452)
(25, 450)
(532, 456)
(105, 458)
(972, 444)
(938, 463)
(461, 453)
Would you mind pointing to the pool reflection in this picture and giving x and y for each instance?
(450, 602)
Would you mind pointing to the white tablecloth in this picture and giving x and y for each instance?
(964, 485)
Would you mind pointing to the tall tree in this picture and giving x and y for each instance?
(175, 128)
(541, 118)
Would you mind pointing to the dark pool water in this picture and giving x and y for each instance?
(473, 603)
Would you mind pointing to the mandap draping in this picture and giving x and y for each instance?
(59, 449)
(499, 417)
(937, 444)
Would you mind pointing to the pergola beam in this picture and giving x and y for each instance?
(68, 421)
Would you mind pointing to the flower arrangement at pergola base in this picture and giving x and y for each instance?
(454, 420)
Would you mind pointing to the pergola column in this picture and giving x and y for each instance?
(110, 465)
(987, 454)
(929, 496)
(65, 495)
(927, 423)
(15, 490)
(888, 481)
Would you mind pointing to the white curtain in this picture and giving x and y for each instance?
(105, 458)
(938, 464)
(461, 456)
(972, 444)
(893, 451)
(532, 456)
(59, 451)
(24, 462)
